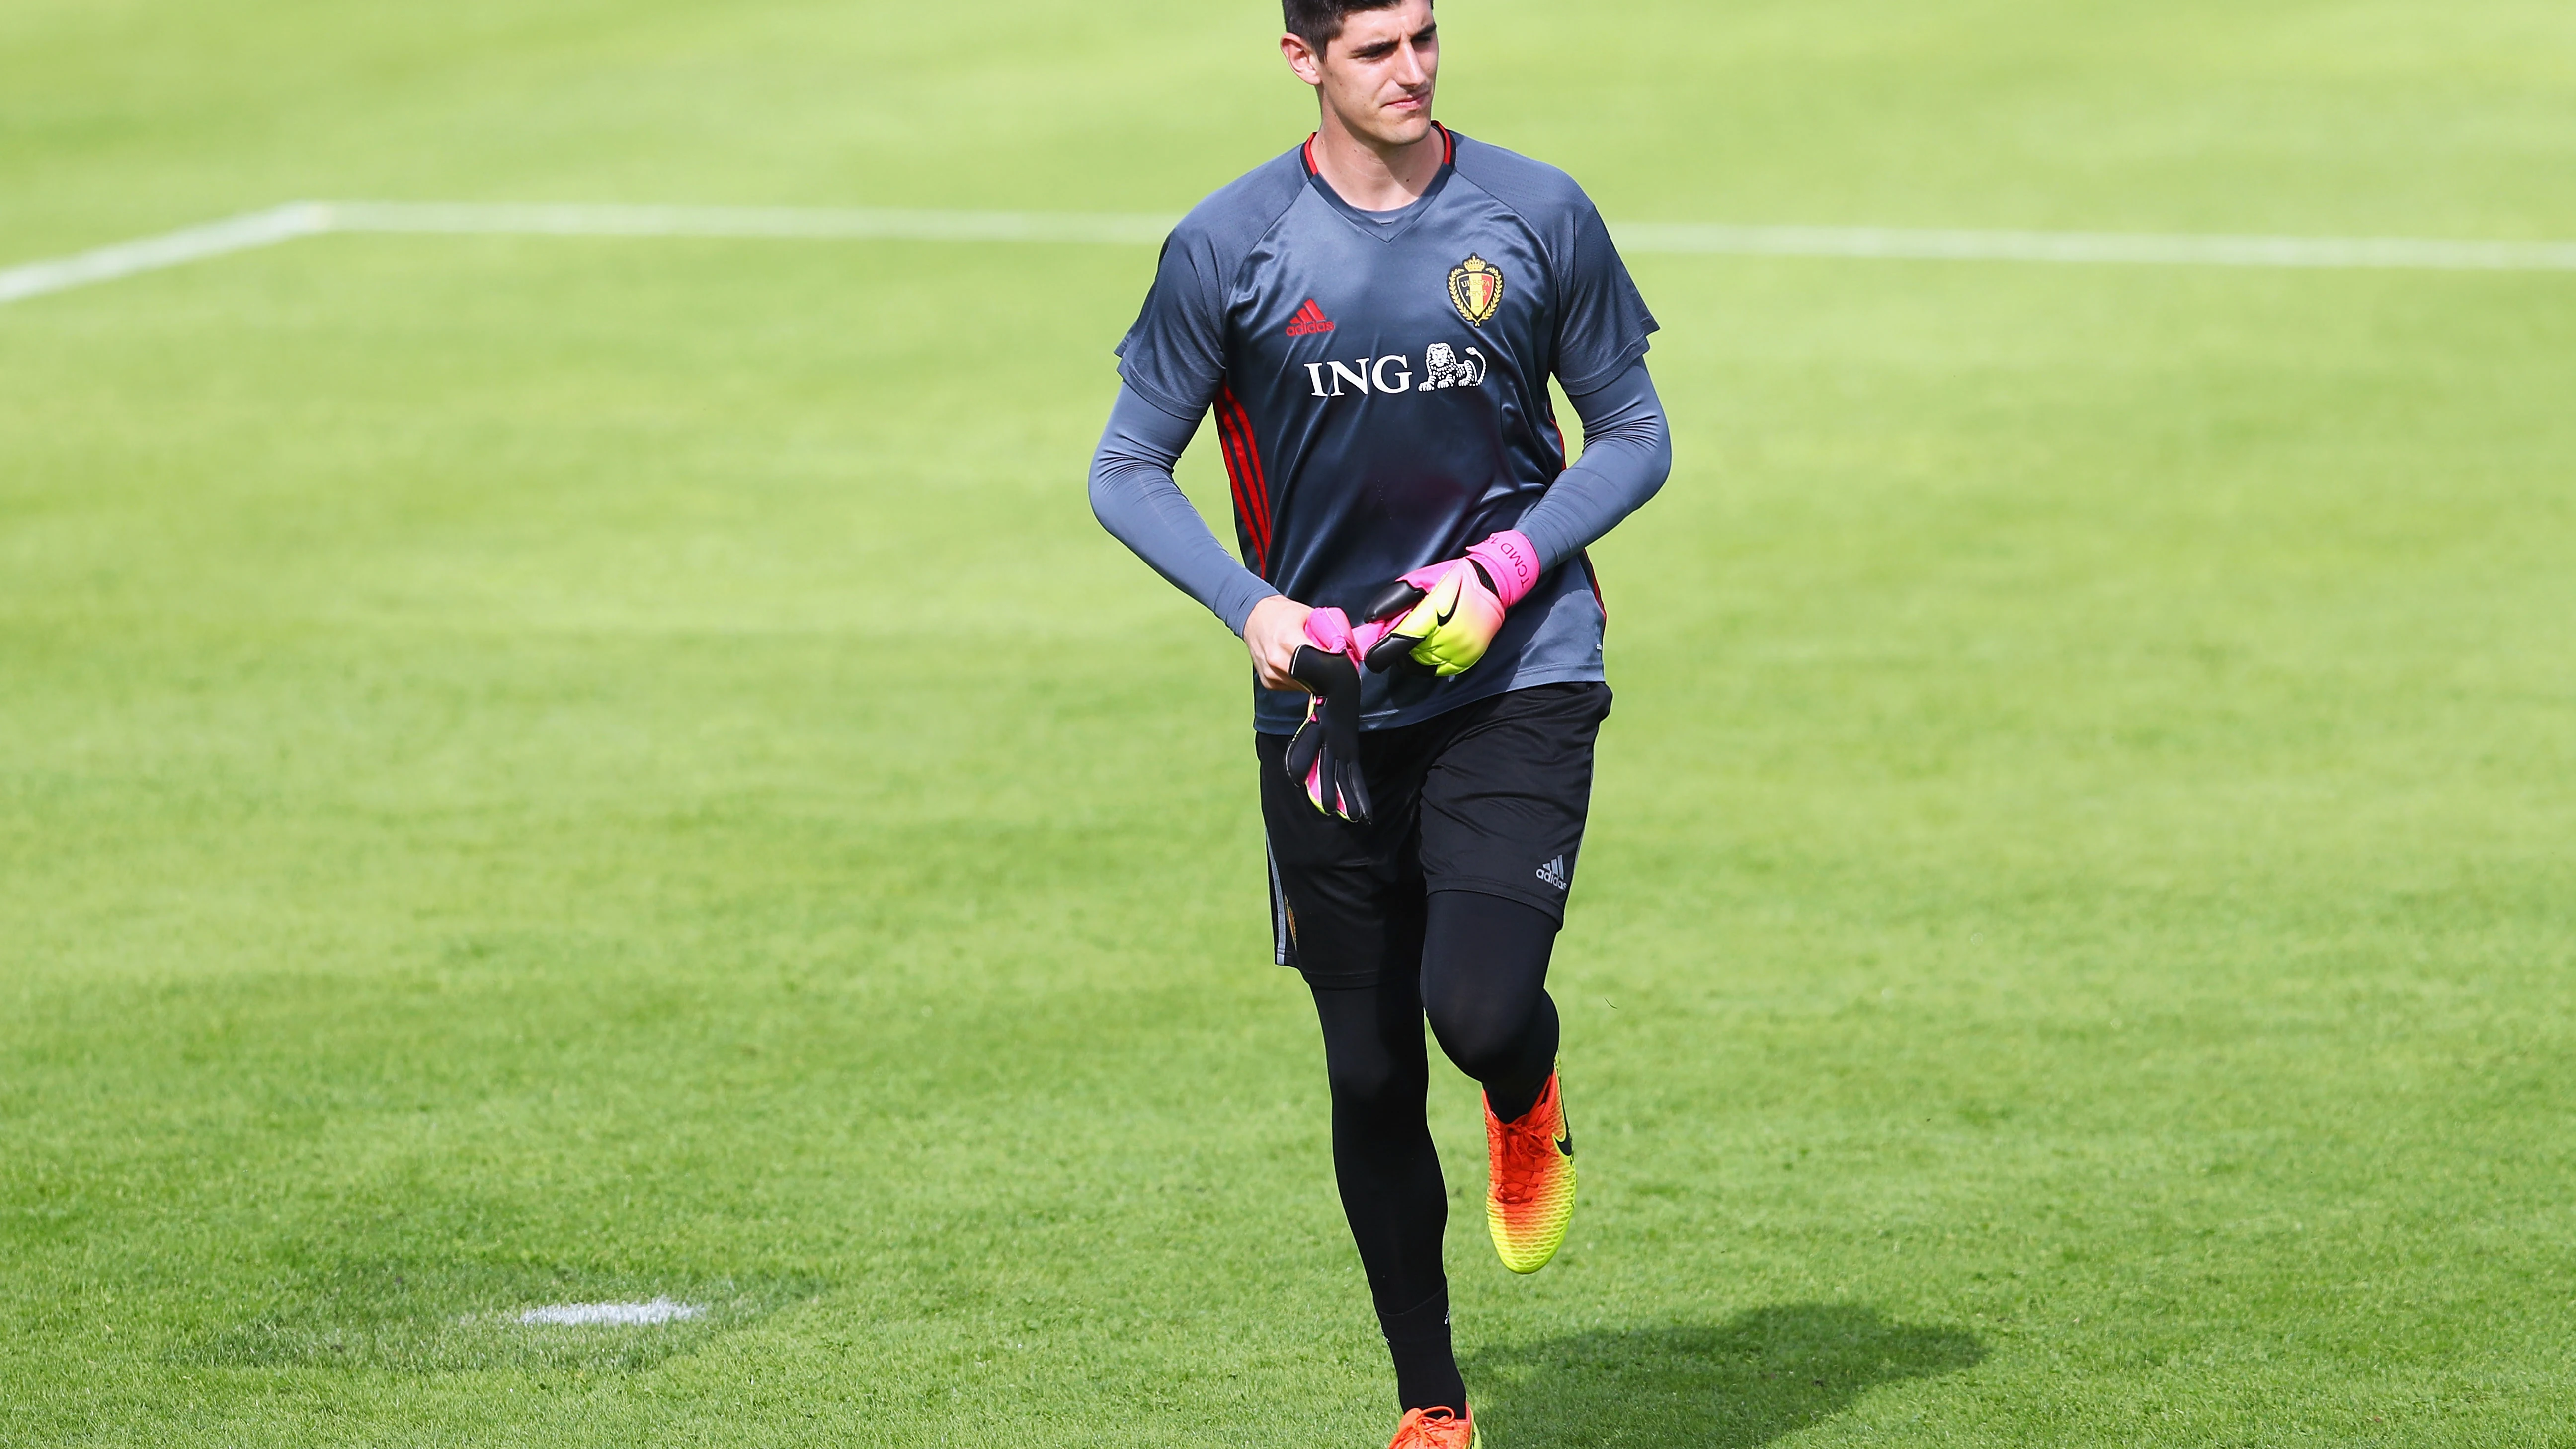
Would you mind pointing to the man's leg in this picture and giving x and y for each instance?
(1353, 916)
(1503, 807)
(1484, 985)
(1389, 1175)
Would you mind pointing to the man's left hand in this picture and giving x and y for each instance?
(1444, 617)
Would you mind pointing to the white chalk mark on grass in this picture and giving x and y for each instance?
(616, 1315)
(781, 222)
(1864, 243)
(2080, 247)
(1683, 239)
(152, 253)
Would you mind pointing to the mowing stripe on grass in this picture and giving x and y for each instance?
(313, 218)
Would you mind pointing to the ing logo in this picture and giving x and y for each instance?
(1442, 366)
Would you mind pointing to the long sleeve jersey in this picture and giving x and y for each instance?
(1379, 384)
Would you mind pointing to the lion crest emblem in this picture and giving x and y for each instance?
(1443, 367)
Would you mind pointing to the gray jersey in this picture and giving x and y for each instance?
(1380, 388)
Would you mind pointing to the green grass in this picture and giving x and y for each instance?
(541, 769)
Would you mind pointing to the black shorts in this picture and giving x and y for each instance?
(1489, 797)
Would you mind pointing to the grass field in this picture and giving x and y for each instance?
(543, 770)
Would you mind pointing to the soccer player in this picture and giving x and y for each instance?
(1373, 318)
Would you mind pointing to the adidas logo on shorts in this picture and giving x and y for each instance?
(1554, 873)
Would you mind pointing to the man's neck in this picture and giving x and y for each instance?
(1373, 179)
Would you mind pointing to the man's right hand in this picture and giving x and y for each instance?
(1272, 635)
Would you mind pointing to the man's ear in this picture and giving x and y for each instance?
(1302, 58)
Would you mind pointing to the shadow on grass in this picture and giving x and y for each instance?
(1761, 1375)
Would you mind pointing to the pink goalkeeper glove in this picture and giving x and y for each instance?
(1444, 617)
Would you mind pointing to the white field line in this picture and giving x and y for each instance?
(313, 218)
(832, 223)
(2146, 248)
(151, 254)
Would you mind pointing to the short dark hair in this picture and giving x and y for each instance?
(1319, 22)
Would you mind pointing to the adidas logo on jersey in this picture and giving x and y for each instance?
(1554, 873)
(1310, 321)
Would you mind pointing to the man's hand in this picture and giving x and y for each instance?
(1324, 756)
(1273, 635)
(1444, 617)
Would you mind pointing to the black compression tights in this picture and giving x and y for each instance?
(1483, 986)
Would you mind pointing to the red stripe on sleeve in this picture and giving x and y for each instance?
(1234, 480)
(1243, 471)
(1256, 486)
(1252, 458)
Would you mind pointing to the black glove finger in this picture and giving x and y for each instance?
(1392, 652)
(1325, 674)
(1341, 723)
(1393, 657)
(1355, 796)
(1302, 749)
(1395, 598)
(1354, 803)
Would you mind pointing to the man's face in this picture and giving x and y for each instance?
(1377, 75)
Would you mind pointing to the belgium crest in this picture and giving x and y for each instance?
(1477, 289)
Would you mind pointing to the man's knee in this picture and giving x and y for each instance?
(1482, 1038)
(1484, 980)
(1373, 1079)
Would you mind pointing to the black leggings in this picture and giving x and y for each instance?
(1483, 985)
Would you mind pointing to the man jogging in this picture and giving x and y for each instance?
(1373, 318)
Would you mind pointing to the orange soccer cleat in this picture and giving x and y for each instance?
(1529, 1196)
(1437, 1429)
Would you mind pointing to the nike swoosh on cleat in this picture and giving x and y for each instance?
(1565, 1143)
